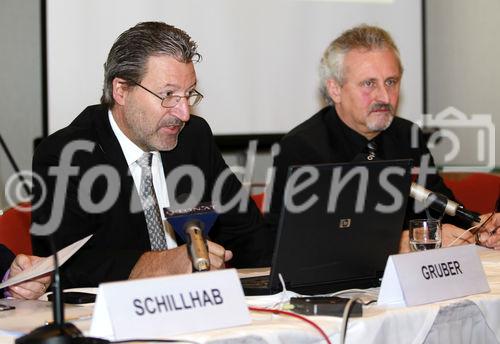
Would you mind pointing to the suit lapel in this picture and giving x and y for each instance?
(113, 154)
(108, 143)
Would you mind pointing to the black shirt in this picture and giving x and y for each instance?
(325, 138)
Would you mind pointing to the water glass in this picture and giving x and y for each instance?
(425, 234)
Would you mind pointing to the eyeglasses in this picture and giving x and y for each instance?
(194, 97)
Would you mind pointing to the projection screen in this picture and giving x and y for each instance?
(260, 57)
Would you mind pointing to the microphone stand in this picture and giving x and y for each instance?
(58, 303)
(58, 332)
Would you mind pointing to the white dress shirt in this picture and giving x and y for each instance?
(132, 152)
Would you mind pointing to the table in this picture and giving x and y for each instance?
(474, 319)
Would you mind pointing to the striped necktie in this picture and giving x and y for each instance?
(150, 205)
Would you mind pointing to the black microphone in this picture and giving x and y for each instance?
(197, 245)
(441, 203)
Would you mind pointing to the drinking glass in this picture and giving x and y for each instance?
(425, 234)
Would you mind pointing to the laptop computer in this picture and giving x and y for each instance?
(337, 232)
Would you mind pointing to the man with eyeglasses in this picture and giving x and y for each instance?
(140, 135)
(360, 76)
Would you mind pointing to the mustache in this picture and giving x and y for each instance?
(171, 121)
(382, 106)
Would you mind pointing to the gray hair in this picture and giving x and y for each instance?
(129, 54)
(359, 37)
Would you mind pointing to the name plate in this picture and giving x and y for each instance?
(434, 275)
(156, 308)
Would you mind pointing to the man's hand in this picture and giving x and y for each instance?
(31, 289)
(176, 261)
(451, 233)
(218, 256)
(404, 243)
(489, 236)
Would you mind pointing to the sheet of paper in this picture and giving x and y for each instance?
(46, 264)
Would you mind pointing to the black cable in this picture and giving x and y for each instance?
(14, 165)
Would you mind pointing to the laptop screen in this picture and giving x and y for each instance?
(339, 223)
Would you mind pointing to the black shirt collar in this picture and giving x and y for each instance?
(341, 134)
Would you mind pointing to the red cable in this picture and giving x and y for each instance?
(277, 311)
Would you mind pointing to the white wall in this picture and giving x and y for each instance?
(260, 57)
(20, 83)
(463, 67)
(463, 71)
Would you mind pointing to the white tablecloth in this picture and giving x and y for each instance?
(475, 319)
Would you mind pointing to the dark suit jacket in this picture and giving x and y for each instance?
(120, 235)
(6, 258)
